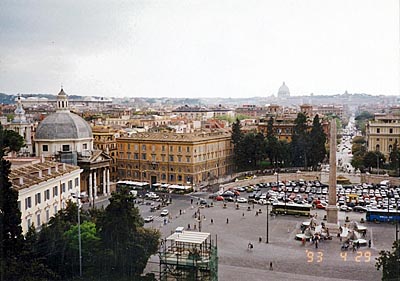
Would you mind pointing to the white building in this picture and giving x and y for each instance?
(44, 188)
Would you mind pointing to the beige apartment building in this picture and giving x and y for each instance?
(186, 159)
(382, 132)
(44, 187)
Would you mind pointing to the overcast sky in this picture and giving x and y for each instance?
(199, 48)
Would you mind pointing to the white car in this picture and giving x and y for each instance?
(164, 213)
(148, 219)
(241, 200)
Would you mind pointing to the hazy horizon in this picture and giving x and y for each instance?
(199, 49)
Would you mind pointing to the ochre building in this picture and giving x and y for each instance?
(191, 158)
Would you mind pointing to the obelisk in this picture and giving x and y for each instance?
(332, 209)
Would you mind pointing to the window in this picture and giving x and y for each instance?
(378, 130)
(171, 177)
(136, 147)
(65, 147)
(19, 205)
(76, 182)
(55, 191)
(28, 222)
(163, 177)
(188, 159)
(136, 156)
(47, 215)
(63, 187)
(179, 177)
(69, 184)
(153, 157)
(171, 148)
(38, 219)
(85, 146)
(47, 194)
(55, 209)
(128, 155)
(129, 146)
(153, 148)
(144, 175)
(179, 158)
(45, 147)
(390, 131)
(179, 149)
(38, 199)
(163, 158)
(144, 156)
(163, 148)
(171, 158)
(187, 149)
(144, 147)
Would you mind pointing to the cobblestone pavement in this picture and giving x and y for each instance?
(291, 260)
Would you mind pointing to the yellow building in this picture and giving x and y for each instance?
(105, 139)
(382, 132)
(191, 158)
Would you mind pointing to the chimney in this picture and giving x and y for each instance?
(49, 171)
(21, 181)
(56, 167)
(64, 167)
(40, 173)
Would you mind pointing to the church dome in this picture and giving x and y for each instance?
(63, 124)
(283, 91)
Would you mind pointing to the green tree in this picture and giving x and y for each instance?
(317, 147)
(394, 158)
(238, 145)
(373, 159)
(11, 238)
(300, 141)
(389, 262)
(127, 246)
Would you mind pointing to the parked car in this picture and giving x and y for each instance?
(164, 213)
(219, 198)
(241, 200)
(148, 219)
(360, 209)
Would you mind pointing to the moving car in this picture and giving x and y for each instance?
(241, 200)
(164, 213)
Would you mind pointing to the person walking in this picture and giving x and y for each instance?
(270, 266)
(212, 221)
(227, 220)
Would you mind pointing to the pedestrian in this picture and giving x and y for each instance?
(180, 212)
(227, 220)
(270, 266)
(242, 214)
(191, 201)
(316, 244)
(212, 221)
(189, 226)
(256, 213)
(358, 245)
(369, 243)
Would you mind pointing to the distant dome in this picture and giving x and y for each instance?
(283, 91)
(63, 125)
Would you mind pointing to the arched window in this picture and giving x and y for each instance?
(390, 148)
(377, 147)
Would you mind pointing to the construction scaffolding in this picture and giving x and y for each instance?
(189, 255)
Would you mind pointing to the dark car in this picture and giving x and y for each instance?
(360, 209)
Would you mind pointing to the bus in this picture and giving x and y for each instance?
(291, 209)
(382, 215)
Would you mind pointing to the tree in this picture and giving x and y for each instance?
(11, 238)
(237, 141)
(374, 159)
(300, 142)
(389, 262)
(394, 158)
(126, 245)
(318, 139)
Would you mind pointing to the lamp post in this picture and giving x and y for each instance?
(267, 233)
(79, 233)
(377, 161)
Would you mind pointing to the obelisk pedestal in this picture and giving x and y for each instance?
(332, 209)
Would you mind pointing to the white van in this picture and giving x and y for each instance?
(179, 229)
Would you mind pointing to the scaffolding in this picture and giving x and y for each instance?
(189, 255)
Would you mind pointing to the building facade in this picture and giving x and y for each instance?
(43, 188)
(383, 132)
(173, 158)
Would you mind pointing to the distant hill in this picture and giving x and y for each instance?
(6, 99)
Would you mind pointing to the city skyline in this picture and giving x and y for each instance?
(199, 48)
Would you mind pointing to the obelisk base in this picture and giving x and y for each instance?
(332, 219)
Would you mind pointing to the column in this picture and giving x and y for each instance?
(90, 186)
(108, 181)
(104, 182)
(95, 183)
(332, 209)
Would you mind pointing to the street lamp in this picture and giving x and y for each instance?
(267, 233)
(78, 197)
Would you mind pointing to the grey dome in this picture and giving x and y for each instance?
(63, 125)
(283, 90)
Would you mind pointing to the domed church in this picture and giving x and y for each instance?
(66, 137)
(283, 91)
